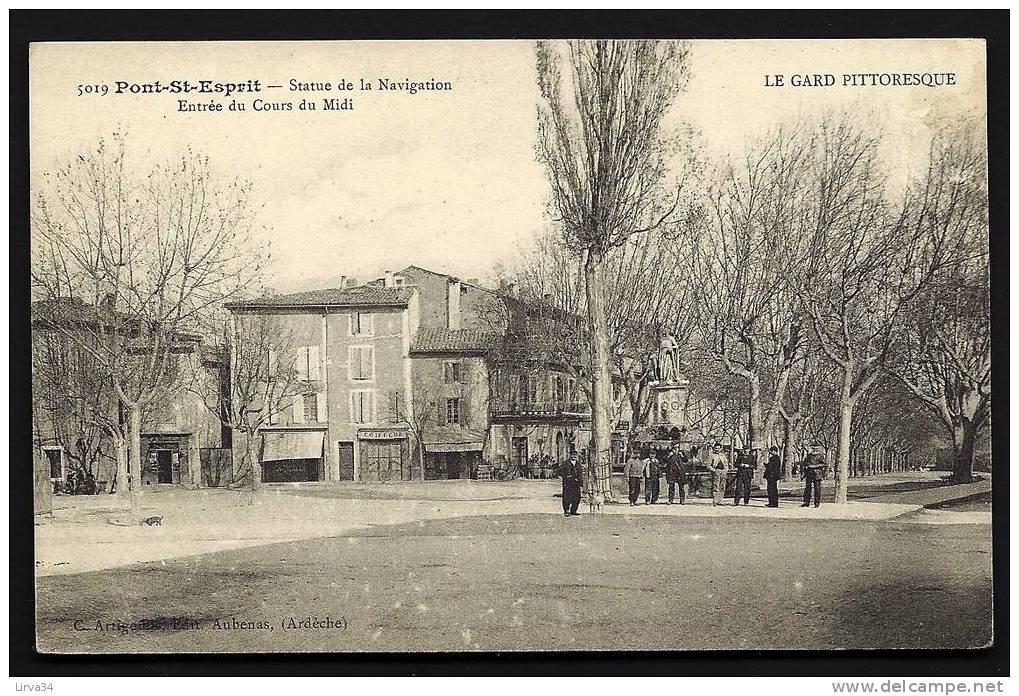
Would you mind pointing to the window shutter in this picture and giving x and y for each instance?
(323, 415)
(369, 406)
(465, 411)
(442, 406)
(394, 406)
(447, 369)
(366, 362)
(301, 364)
(314, 364)
(272, 361)
(354, 412)
(298, 408)
(355, 363)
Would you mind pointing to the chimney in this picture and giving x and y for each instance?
(511, 289)
(389, 280)
(453, 304)
(343, 281)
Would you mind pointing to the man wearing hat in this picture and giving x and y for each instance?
(573, 480)
(813, 471)
(746, 462)
(772, 474)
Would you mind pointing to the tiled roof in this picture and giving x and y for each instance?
(360, 296)
(453, 341)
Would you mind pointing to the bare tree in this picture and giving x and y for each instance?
(76, 397)
(142, 255)
(263, 381)
(600, 137)
(861, 266)
(751, 320)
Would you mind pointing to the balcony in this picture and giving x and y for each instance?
(539, 410)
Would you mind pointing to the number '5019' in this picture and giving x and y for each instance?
(101, 90)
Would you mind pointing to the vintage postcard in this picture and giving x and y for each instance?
(510, 345)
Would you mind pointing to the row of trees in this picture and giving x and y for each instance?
(799, 272)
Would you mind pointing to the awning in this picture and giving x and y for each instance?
(292, 445)
(454, 446)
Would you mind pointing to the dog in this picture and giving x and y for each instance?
(153, 521)
(596, 502)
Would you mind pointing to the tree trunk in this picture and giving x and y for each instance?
(601, 376)
(254, 466)
(962, 469)
(842, 458)
(120, 475)
(789, 437)
(134, 451)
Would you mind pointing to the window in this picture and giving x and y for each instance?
(395, 407)
(453, 411)
(307, 364)
(311, 408)
(271, 362)
(451, 373)
(55, 457)
(362, 362)
(560, 390)
(360, 324)
(362, 406)
(398, 281)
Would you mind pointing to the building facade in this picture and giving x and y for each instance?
(351, 349)
(76, 413)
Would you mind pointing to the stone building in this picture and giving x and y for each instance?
(351, 346)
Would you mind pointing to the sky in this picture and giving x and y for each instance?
(443, 179)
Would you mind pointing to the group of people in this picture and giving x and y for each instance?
(645, 468)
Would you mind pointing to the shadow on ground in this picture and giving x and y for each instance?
(543, 582)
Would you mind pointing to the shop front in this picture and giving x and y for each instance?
(452, 460)
(290, 456)
(165, 457)
(384, 455)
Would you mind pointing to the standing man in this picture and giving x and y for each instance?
(718, 465)
(653, 482)
(573, 480)
(814, 469)
(634, 470)
(746, 462)
(675, 473)
(772, 473)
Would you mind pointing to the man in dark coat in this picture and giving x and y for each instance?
(653, 480)
(746, 462)
(772, 474)
(573, 480)
(813, 471)
(675, 474)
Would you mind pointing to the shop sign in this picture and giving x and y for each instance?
(382, 434)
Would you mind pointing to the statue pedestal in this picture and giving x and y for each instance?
(670, 404)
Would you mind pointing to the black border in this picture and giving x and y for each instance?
(32, 25)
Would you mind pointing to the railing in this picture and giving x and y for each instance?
(550, 409)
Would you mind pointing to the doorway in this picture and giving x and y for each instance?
(164, 466)
(520, 454)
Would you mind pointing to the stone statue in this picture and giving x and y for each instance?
(668, 360)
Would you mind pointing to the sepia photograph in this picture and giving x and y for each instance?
(474, 346)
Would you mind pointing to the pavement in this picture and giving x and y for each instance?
(87, 534)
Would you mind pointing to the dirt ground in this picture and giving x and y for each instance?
(540, 581)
